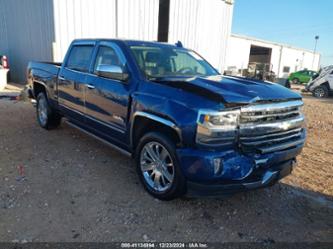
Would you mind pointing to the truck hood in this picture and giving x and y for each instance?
(233, 89)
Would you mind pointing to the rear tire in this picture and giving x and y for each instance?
(47, 117)
(158, 167)
(320, 92)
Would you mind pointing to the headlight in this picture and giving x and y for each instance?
(217, 128)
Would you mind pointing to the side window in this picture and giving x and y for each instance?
(286, 69)
(79, 58)
(106, 56)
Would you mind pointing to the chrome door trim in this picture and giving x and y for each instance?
(105, 124)
(94, 119)
(71, 109)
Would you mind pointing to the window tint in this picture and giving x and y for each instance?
(106, 56)
(79, 58)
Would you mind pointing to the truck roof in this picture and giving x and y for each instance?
(126, 42)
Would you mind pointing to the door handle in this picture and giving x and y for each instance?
(90, 86)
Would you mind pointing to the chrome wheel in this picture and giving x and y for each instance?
(319, 92)
(157, 166)
(42, 111)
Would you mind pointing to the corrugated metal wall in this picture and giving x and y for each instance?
(202, 25)
(3, 30)
(43, 29)
(29, 27)
(138, 19)
(131, 19)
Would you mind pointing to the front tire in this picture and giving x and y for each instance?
(296, 81)
(158, 167)
(320, 92)
(46, 116)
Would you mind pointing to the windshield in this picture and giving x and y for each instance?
(159, 62)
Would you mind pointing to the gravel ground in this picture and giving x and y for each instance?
(77, 189)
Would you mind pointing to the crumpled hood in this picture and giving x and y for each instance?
(231, 90)
(241, 90)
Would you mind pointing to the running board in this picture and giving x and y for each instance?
(124, 152)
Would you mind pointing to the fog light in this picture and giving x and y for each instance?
(218, 165)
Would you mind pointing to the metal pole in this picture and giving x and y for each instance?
(314, 50)
(280, 59)
(116, 18)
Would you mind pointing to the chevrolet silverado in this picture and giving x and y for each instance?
(189, 129)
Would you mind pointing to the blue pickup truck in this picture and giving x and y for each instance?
(189, 129)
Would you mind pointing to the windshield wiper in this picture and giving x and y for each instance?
(152, 78)
(157, 78)
(168, 78)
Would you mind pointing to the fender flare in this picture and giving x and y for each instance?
(155, 118)
(41, 83)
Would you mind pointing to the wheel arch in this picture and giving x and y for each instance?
(144, 122)
(324, 85)
(327, 85)
(39, 87)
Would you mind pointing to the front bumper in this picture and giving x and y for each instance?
(239, 171)
(268, 178)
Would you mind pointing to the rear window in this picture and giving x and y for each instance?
(79, 58)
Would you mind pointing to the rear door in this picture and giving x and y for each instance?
(107, 100)
(72, 80)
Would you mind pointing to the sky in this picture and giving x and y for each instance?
(293, 22)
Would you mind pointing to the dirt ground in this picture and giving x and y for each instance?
(77, 189)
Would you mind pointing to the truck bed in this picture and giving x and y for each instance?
(45, 69)
(45, 73)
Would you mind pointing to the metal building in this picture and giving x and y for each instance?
(283, 59)
(43, 29)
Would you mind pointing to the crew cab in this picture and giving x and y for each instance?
(189, 129)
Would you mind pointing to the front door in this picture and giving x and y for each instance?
(107, 100)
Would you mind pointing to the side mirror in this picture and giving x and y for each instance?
(112, 72)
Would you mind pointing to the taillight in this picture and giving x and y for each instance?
(4, 62)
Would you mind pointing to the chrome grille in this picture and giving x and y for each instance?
(271, 127)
